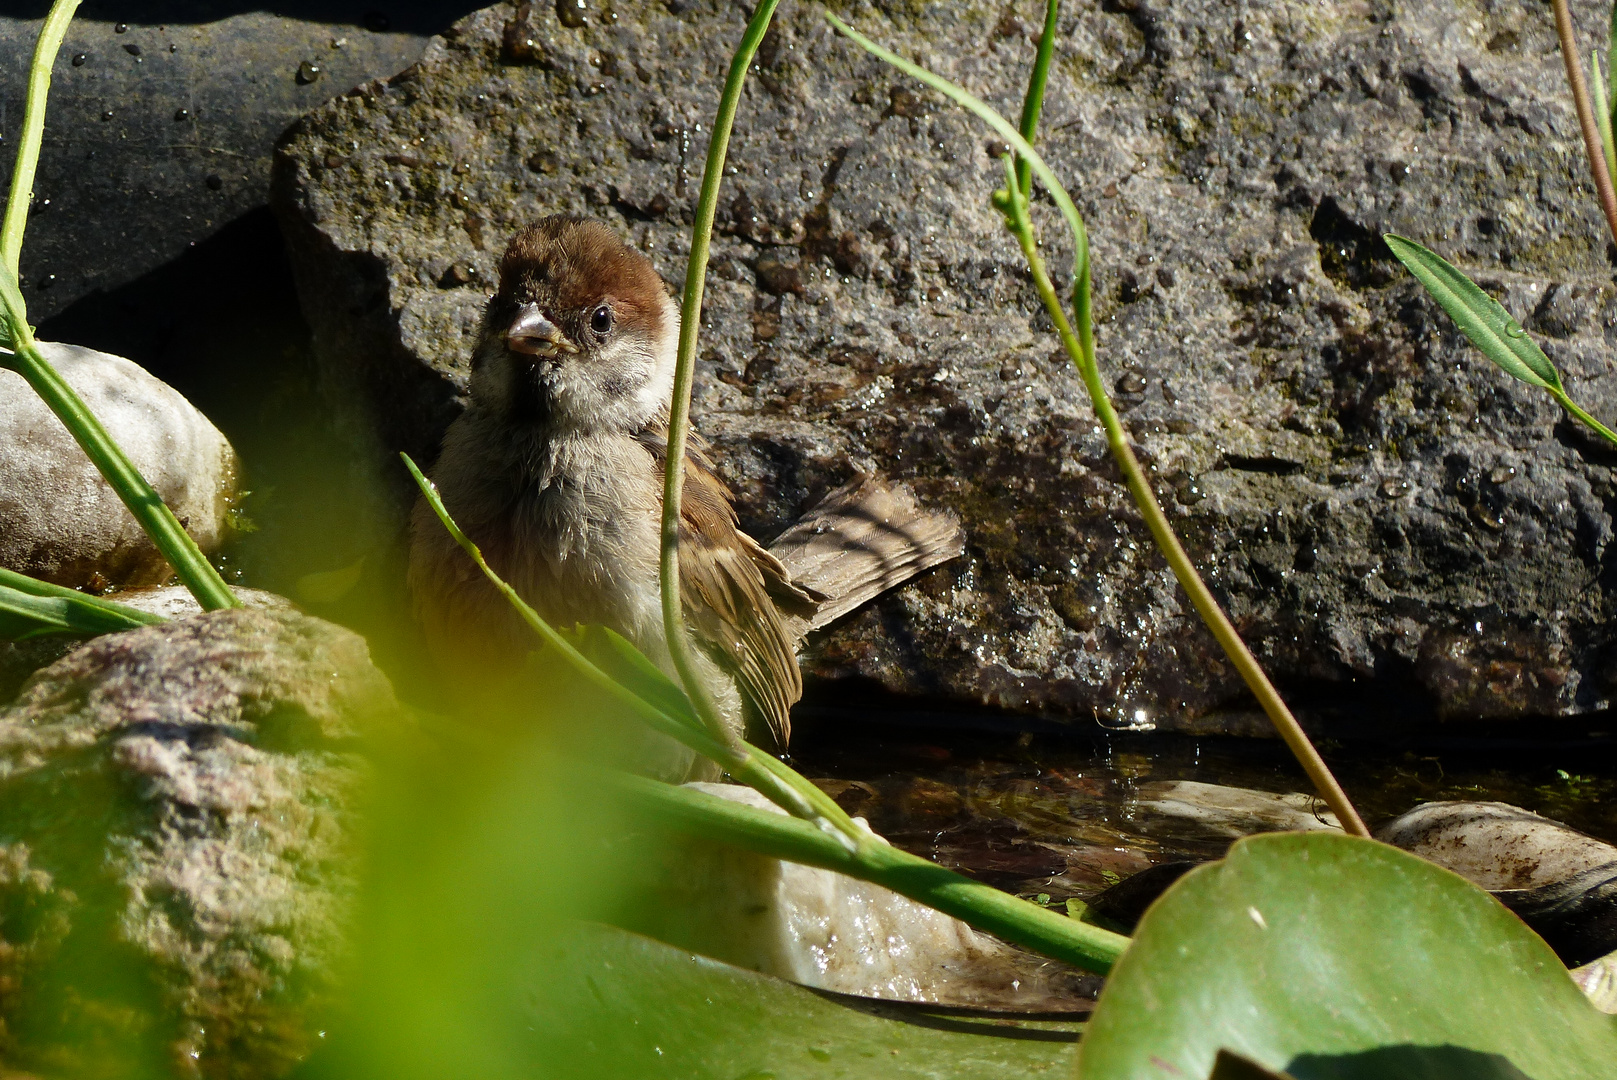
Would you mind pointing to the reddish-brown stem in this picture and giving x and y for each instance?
(1586, 115)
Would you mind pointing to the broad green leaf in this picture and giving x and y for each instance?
(1327, 956)
(1483, 319)
(616, 1004)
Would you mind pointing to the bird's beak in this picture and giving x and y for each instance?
(532, 334)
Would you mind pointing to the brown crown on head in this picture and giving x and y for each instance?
(571, 264)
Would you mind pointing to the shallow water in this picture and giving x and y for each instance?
(1060, 814)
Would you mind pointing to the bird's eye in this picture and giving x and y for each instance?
(601, 320)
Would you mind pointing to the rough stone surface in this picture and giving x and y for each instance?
(178, 845)
(59, 519)
(20, 659)
(1378, 505)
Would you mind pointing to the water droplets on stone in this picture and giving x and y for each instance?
(80, 58)
(308, 72)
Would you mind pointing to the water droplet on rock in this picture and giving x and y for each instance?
(308, 72)
(121, 28)
(1131, 382)
(214, 182)
(1501, 474)
(1392, 488)
(182, 114)
(132, 49)
(571, 13)
(79, 59)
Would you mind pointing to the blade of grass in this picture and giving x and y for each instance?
(70, 610)
(1033, 103)
(46, 47)
(25, 615)
(1080, 348)
(981, 906)
(690, 321)
(1602, 113)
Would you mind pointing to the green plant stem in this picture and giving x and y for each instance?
(690, 322)
(774, 779)
(1033, 103)
(148, 508)
(1586, 115)
(1081, 349)
(46, 47)
(1570, 406)
(981, 906)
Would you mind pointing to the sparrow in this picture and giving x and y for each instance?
(555, 470)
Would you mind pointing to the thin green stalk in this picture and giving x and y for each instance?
(1083, 357)
(780, 784)
(1033, 103)
(182, 553)
(33, 129)
(1586, 115)
(1603, 113)
(690, 320)
(981, 906)
(1570, 406)
(1081, 348)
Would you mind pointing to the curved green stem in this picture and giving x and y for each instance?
(780, 784)
(690, 321)
(33, 130)
(148, 508)
(1082, 351)
(1570, 406)
(981, 906)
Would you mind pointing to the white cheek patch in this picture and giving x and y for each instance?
(653, 396)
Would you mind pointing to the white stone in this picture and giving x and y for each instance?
(1230, 811)
(832, 932)
(1496, 845)
(59, 520)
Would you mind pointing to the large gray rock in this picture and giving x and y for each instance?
(179, 845)
(1372, 498)
(59, 519)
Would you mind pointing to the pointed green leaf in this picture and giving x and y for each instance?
(31, 608)
(1483, 319)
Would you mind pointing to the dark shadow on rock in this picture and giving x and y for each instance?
(1406, 1063)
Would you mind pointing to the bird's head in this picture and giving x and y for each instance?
(581, 335)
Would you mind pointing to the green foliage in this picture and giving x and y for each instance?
(1329, 956)
(1487, 324)
(143, 502)
(30, 609)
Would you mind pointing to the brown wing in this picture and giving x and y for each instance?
(734, 592)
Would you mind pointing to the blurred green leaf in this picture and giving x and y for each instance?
(1482, 318)
(1329, 956)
